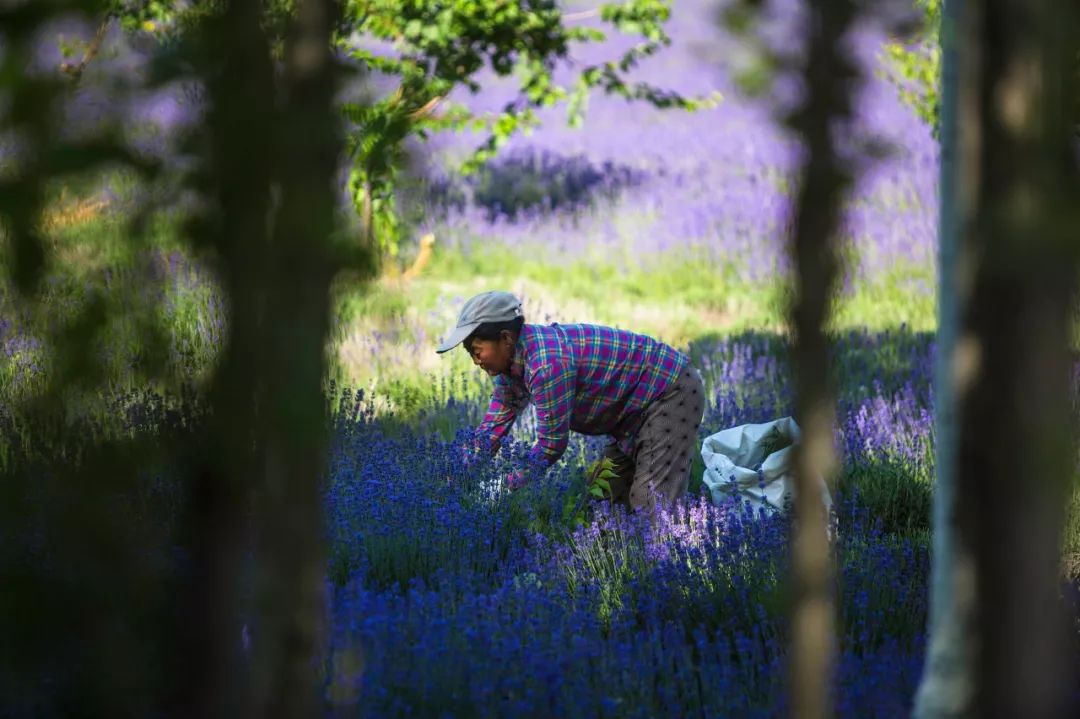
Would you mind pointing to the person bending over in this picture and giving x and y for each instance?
(589, 379)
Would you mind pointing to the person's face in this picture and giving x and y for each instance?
(492, 356)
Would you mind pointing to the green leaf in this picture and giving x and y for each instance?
(437, 48)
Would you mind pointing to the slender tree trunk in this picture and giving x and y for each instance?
(241, 116)
(830, 81)
(947, 687)
(997, 566)
(291, 531)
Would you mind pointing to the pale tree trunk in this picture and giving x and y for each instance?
(830, 77)
(947, 685)
(998, 633)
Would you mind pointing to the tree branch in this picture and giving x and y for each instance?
(75, 70)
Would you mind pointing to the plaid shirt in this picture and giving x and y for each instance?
(586, 378)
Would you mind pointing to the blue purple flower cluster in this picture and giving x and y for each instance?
(463, 600)
(716, 183)
(452, 598)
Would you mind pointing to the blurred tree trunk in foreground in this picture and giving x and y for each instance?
(998, 631)
(291, 533)
(156, 559)
(947, 685)
(81, 581)
(274, 154)
(240, 119)
(830, 81)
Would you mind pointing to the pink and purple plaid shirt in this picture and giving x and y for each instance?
(586, 378)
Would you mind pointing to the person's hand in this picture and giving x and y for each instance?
(515, 480)
(470, 455)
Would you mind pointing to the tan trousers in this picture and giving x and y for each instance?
(663, 448)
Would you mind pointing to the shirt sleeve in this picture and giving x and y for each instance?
(552, 386)
(499, 418)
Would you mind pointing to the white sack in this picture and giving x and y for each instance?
(737, 452)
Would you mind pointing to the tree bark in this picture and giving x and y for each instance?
(75, 70)
(997, 553)
(830, 79)
(291, 555)
(947, 687)
(275, 153)
(241, 113)
(1014, 452)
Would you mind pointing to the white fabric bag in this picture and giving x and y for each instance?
(732, 458)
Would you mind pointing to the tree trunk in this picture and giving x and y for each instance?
(830, 81)
(997, 553)
(241, 114)
(267, 399)
(290, 551)
(947, 685)
(1015, 432)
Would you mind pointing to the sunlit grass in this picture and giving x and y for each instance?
(385, 330)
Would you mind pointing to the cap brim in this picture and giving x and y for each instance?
(457, 337)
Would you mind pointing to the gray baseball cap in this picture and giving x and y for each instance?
(494, 306)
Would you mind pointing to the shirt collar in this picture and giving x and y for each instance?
(517, 365)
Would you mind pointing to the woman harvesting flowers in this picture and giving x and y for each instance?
(589, 379)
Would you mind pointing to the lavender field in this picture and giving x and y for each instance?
(447, 596)
(669, 222)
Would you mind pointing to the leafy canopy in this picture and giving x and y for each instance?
(916, 68)
(432, 48)
(916, 65)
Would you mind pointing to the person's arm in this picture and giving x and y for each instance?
(552, 387)
(496, 424)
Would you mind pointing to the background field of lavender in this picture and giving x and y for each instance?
(666, 222)
(449, 598)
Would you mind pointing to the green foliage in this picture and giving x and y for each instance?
(95, 311)
(899, 495)
(593, 485)
(915, 68)
(774, 441)
(601, 476)
(168, 19)
(441, 47)
(135, 14)
(755, 71)
(79, 551)
(1071, 540)
(916, 65)
(438, 48)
